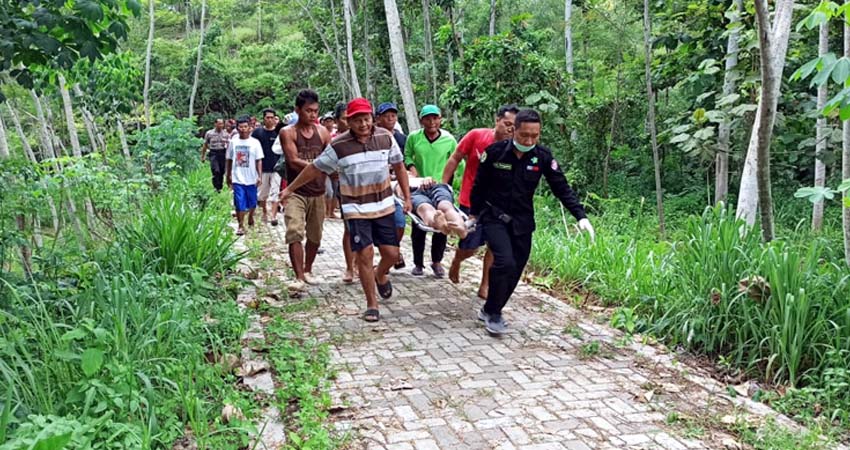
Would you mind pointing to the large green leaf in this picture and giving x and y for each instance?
(841, 71)
(91, 361)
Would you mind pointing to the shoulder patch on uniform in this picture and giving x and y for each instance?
(483, 157)
(554, 165)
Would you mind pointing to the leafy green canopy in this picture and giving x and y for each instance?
(59, 32)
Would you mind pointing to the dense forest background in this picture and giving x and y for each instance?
(652, 107)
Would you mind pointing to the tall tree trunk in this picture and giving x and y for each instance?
(821, 131)
(47, 142)
(492, 18)
(773, 43)
(400, 63)
(340, 68)
(650, 97)
(259, 21)
(198, 62)
(724, 131)
(845, 157)
(31, 156)
(75, 140)
(20, 220)
(188, 7)
(370, 87)
(568, 37)
(455, 34)
(455, 122)
(614, 121)
(122, 136)
(148, 52)
(16, 122)
(4, 143)
(590, 80)
(88, 121)
(69, 117)
(349, 48)
(429, 50)
(346, 80)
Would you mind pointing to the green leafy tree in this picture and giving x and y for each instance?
(58, 33)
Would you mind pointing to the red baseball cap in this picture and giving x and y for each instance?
(358, 106)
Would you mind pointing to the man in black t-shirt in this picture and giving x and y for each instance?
(270, 187)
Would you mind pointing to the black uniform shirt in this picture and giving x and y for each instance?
(267, 138)
(505, 184)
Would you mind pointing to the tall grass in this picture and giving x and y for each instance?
(173, 234)
(779, 312)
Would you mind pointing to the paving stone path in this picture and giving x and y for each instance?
(427, 376)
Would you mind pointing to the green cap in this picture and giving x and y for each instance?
(427, 110)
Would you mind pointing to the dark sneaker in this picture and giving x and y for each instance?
(439, 271)
(418, 271)
(495, 325)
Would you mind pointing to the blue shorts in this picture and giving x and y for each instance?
(244, 197)
(432, 196)
(399, 217)
(475, 239)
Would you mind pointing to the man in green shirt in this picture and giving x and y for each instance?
(425, 155)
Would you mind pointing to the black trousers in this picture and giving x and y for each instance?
(438, 246)
(218, 160)
(510, 255)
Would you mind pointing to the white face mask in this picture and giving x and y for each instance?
(523, 148)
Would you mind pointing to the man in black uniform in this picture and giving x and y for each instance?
(502, 199)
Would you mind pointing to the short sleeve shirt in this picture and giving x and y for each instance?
(364, 174)
(429, 157)
(472, 146)
(245, 153)
(216, 140)
(266, 139)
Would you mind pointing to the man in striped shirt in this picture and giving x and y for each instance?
(361, 156)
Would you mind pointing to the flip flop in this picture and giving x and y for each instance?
(372, 315)
(385, 290)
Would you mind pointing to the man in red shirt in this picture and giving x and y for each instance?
(470, 148)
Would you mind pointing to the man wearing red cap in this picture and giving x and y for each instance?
(361, 157)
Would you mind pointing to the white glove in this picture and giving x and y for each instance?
(585, 225)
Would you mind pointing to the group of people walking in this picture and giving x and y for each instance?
(359, 157)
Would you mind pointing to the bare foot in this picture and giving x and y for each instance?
(348, 276)
(454, 271)
(458, 229)
(440, 222)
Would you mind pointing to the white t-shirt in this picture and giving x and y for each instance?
(244, 153)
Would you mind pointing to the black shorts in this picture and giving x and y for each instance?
(432, 196)
(472, 240)
(366, 232)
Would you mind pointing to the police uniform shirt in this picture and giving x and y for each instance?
(505, 184)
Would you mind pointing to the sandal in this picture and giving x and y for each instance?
(372, 315)
(240, 232)
(385, 290)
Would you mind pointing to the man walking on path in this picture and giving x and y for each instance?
(502, 200)
(244, 165)
(470, 148)
(267, 197)
(425, 155)
(215, 141)
(361, 156)
(305, 210)
(341, 118)
(387, 118)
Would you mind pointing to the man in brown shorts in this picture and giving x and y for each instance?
(305, 212)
